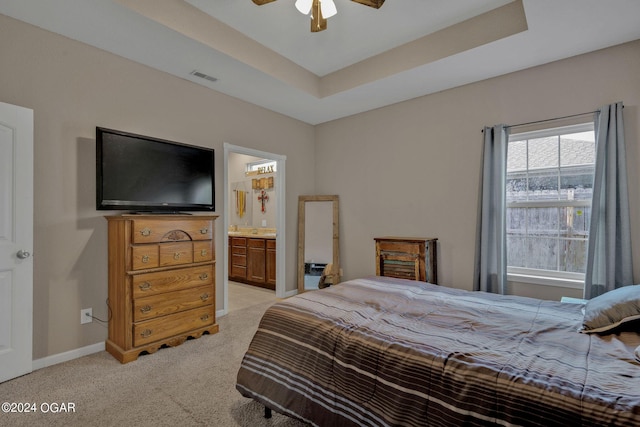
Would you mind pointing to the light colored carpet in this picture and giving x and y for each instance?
(189, 385)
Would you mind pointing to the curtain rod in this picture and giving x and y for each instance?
(554, 119)
(551, 120)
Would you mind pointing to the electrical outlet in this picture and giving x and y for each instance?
(86, 315)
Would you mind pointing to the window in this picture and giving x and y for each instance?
(549, 191)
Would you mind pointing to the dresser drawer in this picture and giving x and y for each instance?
(176, 253)
(159, 230)
(238, 271)
(239, 260)
(174, 324)
(239, 250)
(168, 281)
(172, 302)
(404, 247)
(256, 243)
(145, 256)
(202, 251)
(168, 254)
(239, 241)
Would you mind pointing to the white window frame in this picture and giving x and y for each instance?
(536, 276)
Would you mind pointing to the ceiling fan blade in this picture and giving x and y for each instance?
(304, 6)
(261, 2)
(372, 3)
(328, 9)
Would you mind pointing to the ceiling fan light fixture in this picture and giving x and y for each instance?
(304, 6)
(320, 10)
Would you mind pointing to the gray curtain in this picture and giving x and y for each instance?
(609, 262)
(491, 241)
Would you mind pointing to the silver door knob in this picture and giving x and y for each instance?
(23, 254)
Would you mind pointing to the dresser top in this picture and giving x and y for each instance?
(406, 239)
(161, 216)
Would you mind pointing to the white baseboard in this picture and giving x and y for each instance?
(67, 355)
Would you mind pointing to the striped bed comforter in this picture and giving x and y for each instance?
(382, 351)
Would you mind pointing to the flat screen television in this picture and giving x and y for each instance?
(145, 174)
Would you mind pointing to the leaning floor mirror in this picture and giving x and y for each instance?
(318, 242)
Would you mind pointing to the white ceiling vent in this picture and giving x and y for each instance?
(204, 76)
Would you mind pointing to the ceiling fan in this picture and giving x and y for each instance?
(320, 10)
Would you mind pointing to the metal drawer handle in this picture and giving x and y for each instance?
(204, 230)
(145, 309)
(204, 317)
(204, 276)
(144, 286)
(203, 252)
(204, 296)
(176, 255)
(146, 333)
(145, 232)
(145, 259)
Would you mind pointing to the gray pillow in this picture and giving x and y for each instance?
(611, 309)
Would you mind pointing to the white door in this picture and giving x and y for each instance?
(16, 240)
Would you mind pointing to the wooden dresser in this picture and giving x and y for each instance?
(407, 258)
(161, 282)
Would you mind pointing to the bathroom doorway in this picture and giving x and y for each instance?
(277, 204)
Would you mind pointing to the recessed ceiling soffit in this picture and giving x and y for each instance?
(489, 27)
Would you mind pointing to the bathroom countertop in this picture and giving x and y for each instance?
(264, 233)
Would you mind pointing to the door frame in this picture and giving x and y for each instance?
(280, 217)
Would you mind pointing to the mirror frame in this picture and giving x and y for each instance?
(302, 201)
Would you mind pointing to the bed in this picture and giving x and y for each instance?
(381, 351)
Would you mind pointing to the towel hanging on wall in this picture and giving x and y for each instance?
(241, 202)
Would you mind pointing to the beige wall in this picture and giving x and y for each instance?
(73, 88)
(412, 169)
(408, 169)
